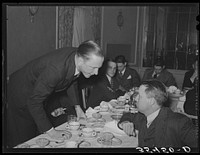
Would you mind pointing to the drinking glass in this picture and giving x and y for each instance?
(71, 118)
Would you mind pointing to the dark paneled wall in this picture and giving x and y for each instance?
(27, 40)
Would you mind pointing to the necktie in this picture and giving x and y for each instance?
(120, 73)
(112, 83)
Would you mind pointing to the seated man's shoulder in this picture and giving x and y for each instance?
(165, 71)
(175, 117)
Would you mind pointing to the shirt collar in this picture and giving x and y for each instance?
(123, 71)
(152, 116)
(109, 78)
(76, 72)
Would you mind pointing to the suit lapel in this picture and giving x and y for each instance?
(160, 126)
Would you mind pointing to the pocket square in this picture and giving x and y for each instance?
(129, 77)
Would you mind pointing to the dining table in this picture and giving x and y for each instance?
(110, 125)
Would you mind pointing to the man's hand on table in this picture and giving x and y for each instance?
(128, 128)
(79, 112)
(58, 134)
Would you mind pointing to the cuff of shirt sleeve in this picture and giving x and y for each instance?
(49, 130)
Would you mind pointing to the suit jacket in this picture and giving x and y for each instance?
(129, 79)
(30, 86)
(101, 91)
(186, 81)
(166, 77)
(169, 129)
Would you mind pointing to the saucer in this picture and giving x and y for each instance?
(37, 146)
(42, 142)
(24, 145)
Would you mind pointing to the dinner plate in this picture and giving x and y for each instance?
(175, 95)
(98, 125)
(115, 141)
(93, 120)
(24, 145)
(37, 146)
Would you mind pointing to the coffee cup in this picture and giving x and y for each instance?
(71, 144)
(106, 138)
(104, 107)
(73, 125)
(121, 100)
(178, 91)
(88, 132)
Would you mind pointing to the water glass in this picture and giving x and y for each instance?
(71, 118)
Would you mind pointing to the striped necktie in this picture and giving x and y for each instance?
(112, 83)
(120, 74)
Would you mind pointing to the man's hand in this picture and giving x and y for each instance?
(57, 112)
(79, 112)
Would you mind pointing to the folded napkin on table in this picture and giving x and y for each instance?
(112, 126)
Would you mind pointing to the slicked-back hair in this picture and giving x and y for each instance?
(159, 63)
(157, 90)
(89, 47)
(104, 67)
(120, 59)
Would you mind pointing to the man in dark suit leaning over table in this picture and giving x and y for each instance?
(38, 80)
(158, 126)
(160, 73)
(126, 76)
(106, 86)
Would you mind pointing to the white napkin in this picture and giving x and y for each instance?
(112, 126)
(129, 77)
(183, 98)
(90, 111)
(106, 103)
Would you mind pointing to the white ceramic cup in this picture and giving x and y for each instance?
(73, 125)
(104, 108)
(71, 144)
(88, 132)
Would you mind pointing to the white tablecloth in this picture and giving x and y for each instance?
(127, 142)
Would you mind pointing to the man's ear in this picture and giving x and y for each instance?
(125, 63)
(163, 66)
(152, 101)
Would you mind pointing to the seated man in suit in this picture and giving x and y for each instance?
(127, 77)
(160, 73)
(106, 86)
(191, 76)
(158, 126)
(191, 83)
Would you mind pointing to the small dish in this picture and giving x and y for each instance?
(42, 142)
